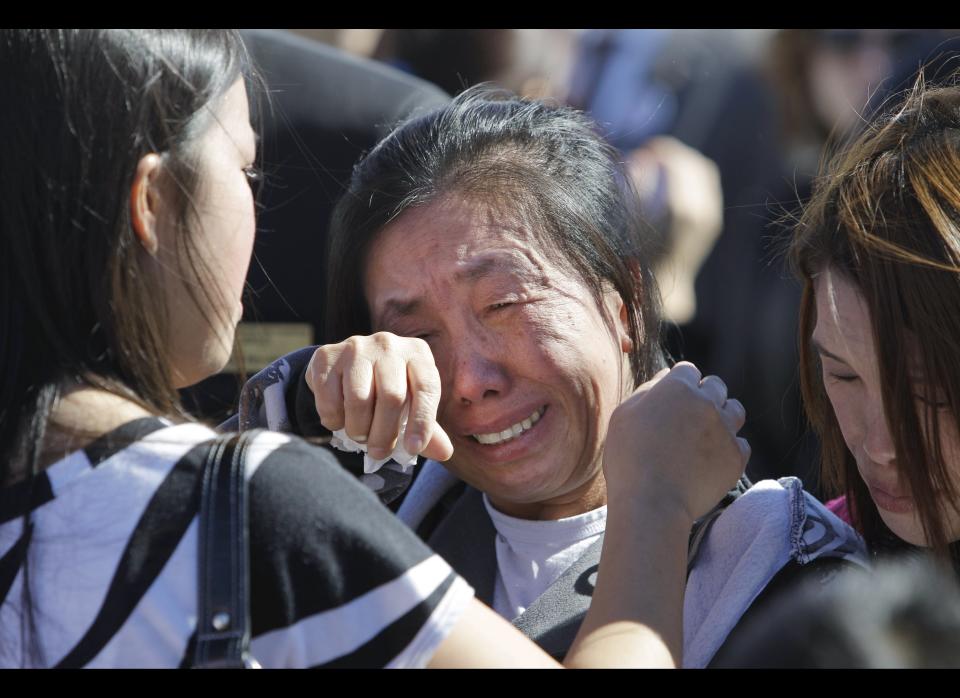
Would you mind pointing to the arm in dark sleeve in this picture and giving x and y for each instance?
(336, 579)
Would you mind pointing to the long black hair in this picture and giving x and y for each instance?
(81, 107)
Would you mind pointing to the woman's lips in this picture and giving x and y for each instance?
(890, 502)
(517, 447)
(513, 431)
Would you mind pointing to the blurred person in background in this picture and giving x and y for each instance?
(530, 62)
(701, 90)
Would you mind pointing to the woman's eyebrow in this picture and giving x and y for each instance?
(395, 309)
(488, 266)
(829, 354)
(481, 268)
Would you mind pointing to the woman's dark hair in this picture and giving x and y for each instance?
(910, 619)
(544, 163)
(78, 303)
(886, 215)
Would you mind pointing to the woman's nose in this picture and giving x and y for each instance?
(878, 442)
(477, 374)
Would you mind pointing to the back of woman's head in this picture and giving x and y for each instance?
(909, 620)
(886, 217)
(81, 108)
(544, 164)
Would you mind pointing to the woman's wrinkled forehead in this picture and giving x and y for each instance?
(456, 228)
(428, 251)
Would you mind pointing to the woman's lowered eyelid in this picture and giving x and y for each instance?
(835, 369)
(843, 378)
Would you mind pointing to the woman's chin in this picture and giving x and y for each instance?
(212, 360)
(906, 527)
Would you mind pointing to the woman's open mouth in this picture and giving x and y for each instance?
(512, 431)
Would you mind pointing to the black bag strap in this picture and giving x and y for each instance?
(223, 598)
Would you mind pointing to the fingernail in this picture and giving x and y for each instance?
(360, 439)
(378, 453)
(414, 444)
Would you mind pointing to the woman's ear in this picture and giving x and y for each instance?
(618, 310)
(623, 327)
(145, 201)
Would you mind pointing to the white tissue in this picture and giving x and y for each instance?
(341, 441)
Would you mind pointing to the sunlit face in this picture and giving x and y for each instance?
(222, 233)
(844, 340)
(530, 370)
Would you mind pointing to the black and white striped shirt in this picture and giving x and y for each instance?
(336, 580)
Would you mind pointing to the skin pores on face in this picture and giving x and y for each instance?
(222, 232)
(530, 369)
(844, 339)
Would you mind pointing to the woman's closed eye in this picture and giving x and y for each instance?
(416, 333)
(843, 377)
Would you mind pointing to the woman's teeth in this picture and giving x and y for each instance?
(511, 432)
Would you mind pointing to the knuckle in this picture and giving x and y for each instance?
(317, 378)
(681, 388)
(353, 400)
(330, 418)
(393, 399)
(325, 411)
(418, 424)
(701, 400)
(384, 340)
(381, 438)
(348, 355)
(322, 359)
(737, 408)
(325, 402)
(429, 384)
(423, 411)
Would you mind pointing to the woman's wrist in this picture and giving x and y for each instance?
(655, 502)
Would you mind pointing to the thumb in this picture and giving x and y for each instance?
(439, 446)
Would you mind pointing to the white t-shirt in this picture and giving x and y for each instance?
(335, 579)
(531, 555)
